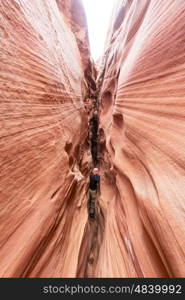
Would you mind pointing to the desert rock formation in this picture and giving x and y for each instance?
(48, 99)
(44, 158)
(142, 141)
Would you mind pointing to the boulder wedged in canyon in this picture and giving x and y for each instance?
(44, 158)
(142, 111)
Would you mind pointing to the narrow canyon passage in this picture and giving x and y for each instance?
(63, 114)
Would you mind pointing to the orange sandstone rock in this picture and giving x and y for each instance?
(142, 121)
(43, 160)
(45, 80)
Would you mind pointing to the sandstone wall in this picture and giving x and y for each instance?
(43, 127)
(142, 101)
(46, 77)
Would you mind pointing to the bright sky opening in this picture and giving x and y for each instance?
(98, 13)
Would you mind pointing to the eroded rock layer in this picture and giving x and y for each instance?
(142, 141)
(43, 156)
(48, 101)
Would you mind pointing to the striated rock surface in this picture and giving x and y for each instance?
(48, 138)
(44, 158)
(141, 135)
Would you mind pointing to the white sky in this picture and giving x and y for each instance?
(98, 14)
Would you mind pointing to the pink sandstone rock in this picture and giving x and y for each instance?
(46, 81)
(142, 141)
(44, 54)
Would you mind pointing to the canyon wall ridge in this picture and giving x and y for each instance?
(142, 110)
(44, 156)
(50, 93)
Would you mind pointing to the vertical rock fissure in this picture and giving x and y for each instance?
(93, 133)
(93, 224)
(92, 232)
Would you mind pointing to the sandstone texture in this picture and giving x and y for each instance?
(44, 163)
(50, 109)
(141, 135)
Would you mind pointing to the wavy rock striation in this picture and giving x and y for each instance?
(48, 101)
(142, 143)
(44, 157)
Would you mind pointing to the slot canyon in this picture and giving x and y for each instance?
(61, 114)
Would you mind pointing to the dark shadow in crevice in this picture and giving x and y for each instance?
(118, 120)
(93, 128)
